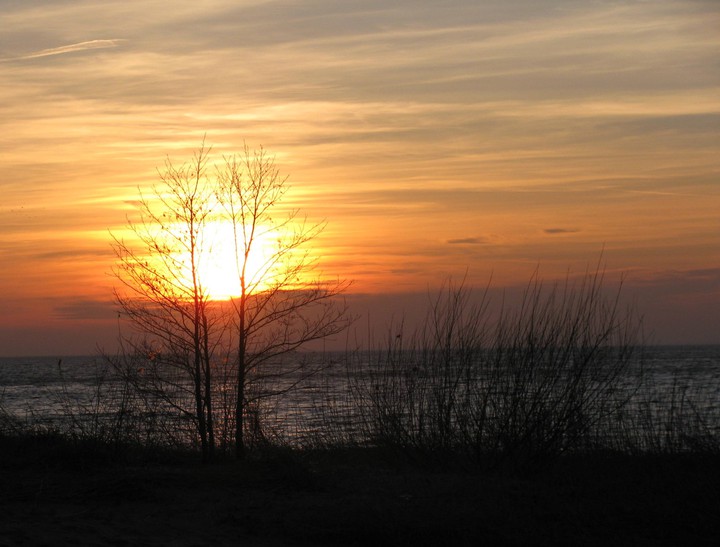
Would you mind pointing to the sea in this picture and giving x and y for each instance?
(49, 391)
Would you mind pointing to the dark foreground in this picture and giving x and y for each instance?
(53, 494)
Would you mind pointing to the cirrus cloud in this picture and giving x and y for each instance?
(73, 48)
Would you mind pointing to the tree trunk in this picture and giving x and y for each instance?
(240, 402)
(210, 422)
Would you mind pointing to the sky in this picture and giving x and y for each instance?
(446, 138)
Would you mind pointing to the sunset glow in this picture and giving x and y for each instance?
(478, 139)
(220, 265)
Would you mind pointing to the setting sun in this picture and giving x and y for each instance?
(220, 263)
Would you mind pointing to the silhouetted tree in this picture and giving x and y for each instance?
(163, 295)
(280, 302)
(279, 307)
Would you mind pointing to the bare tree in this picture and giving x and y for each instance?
(163, 296)
(281, 304)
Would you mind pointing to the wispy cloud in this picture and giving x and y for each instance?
(469, 241)
(553, 231)
(73, 254)
(73, 48)
(85, 309)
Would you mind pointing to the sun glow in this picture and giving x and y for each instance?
(219, 262)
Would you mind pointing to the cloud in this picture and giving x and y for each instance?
(553, 231)
(705, 281)
(86, 309)
(72, 48)
(74, 253)
(469, 241)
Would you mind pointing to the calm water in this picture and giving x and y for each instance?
(41, 390)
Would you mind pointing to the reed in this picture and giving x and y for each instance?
(563, 373)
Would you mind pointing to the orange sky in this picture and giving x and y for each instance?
(435, 138)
